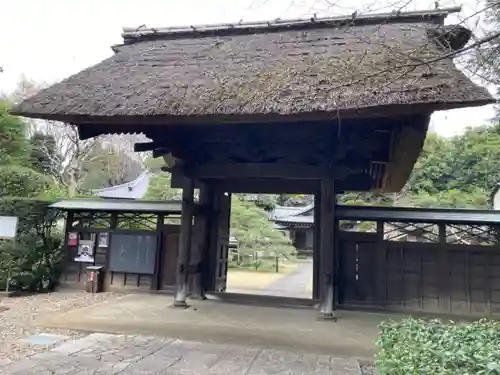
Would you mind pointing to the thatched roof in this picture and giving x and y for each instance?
(343, 66)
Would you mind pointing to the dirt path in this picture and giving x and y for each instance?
(296, 284)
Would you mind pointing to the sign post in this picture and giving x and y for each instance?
(8, 231)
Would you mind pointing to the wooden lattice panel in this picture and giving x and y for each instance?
(136, 221)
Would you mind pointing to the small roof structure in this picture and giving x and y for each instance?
(118, 205)
(284, 216)
(303, 216)
(131, 190)
(349, 66)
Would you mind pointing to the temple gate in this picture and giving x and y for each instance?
(316, 106)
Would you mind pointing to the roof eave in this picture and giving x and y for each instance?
(132, 121)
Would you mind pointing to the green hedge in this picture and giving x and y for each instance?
(33, 260)
(415, 346)
(22, 182)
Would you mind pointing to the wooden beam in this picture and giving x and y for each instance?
(249, 186)
(184, 247)
(256, 170)
(179, 180)
(271, 185)
(159, 152)
(146, 146)
(266, 186)
(327, 246)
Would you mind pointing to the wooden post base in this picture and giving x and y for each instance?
(180, 305)
(328, 316)
(198, 296)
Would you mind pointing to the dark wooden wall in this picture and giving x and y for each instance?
(122, 281)
(427, 277)
(304, 239)
(74, 273)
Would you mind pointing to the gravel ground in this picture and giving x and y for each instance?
(22, 314)
(368, 368)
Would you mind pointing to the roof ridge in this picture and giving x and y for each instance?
(132, 183)
(135, 34)
(304, 209)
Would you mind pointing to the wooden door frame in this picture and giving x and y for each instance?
(166, 229)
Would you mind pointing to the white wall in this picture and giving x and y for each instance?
(496, 201)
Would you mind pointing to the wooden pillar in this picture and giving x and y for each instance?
(186, 231)
(215, 269)
(155, 285)
(67, 229)
(223, 241)
(210, 256)
(200, 243)
(380, 266)
(316, 247)
(327, 248)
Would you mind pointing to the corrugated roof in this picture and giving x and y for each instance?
(87, 204)
(419, 215)
(395, 214)
(296, 219)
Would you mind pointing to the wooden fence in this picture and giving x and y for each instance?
(436, 266)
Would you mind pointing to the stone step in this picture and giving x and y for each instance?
(133, 354)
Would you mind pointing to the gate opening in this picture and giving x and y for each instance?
(264, 257)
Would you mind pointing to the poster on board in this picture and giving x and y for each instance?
(103, 239)
(85, 252)
(72, 239)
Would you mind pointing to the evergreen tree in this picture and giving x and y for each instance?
(14, 147)
(44, 156)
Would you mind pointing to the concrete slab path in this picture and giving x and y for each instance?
(289, 329)
(108, 354)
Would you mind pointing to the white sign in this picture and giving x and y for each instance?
(8, 227)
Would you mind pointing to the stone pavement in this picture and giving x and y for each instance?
(107, 354)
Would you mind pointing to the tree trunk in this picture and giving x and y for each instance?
(72, 184)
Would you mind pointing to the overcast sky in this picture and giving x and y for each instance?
(49, 40)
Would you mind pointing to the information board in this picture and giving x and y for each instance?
(133, 253)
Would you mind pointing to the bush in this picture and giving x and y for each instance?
(23, 182)
(416, 346)
(34, 258)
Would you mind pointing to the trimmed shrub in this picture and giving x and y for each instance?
(415, 346)
(33, 260)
